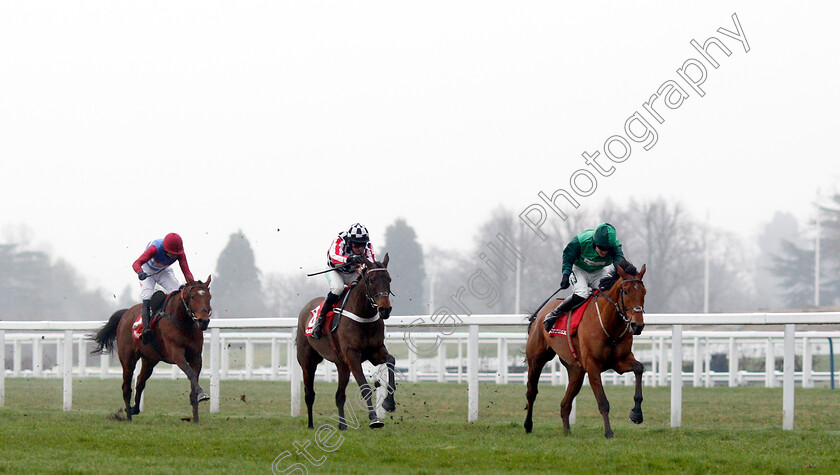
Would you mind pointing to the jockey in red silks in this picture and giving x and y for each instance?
(346, 252)
(152, 267)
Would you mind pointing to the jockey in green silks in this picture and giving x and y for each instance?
(588, 258)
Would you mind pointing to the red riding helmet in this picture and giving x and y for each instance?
(172, 244)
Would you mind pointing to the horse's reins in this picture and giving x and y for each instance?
(372, 300)
(190, 312)
(620, 308)
(334, 343)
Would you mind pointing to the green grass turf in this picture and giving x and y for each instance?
(724, 430)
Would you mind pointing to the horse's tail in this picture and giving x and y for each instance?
(107, 335)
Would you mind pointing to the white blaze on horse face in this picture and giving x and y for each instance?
(201, 292)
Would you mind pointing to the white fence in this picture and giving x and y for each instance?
(426, 343)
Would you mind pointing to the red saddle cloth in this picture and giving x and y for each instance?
(137, 326)
(314, 316)
(561, 323)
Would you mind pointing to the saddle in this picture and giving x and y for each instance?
(333, 316)
(563, 327)
(157, 304)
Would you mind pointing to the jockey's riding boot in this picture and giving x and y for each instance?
(319, 322)
(564, 307)
(146, 336)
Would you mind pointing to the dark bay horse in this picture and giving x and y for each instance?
(603, 341)
(179, 339)
(352, 343)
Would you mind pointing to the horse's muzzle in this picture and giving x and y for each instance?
(637, 328)
(203, 324)
(384, 312)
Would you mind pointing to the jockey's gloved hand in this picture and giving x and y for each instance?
(564, 284)
(355, 259)
(142, 275)
(627, 266)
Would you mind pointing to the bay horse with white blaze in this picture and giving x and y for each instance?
(360, 336)
(178, 339)
(603, 341)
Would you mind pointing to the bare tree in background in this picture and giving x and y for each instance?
(33, 288)
(286, 294)
(543, 270)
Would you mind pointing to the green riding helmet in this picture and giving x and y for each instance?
(604, 236)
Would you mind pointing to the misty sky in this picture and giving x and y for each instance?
(122, 121)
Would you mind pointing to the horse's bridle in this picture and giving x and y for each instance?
(620, 307)
(385, 293)
(190, 312)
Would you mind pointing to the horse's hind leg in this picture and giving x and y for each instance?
(535, 367)
(341, 393)
(638, 369)
(129, 362)
(145, 371)
(576, 374)
(308, 360)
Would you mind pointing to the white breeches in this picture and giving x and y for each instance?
(338, 281)
(586, 281)
(165, 278)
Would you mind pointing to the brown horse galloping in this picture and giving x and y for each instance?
(179, 339)
(604, 340)
(353, 342)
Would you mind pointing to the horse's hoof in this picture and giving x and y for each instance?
(389, 406)
(202, 396)
(609, 435)
(636, 417)
(376, 423)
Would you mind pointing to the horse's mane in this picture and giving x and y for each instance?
(610, 279)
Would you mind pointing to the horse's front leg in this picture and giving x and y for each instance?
(631, 364)
(603, 403)
(383, 357)
(197, 394)
(354, 360)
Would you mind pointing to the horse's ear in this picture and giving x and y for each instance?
(385, 261)
(641, 272)
(189, 280)
(621, 272)
(208, 279)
